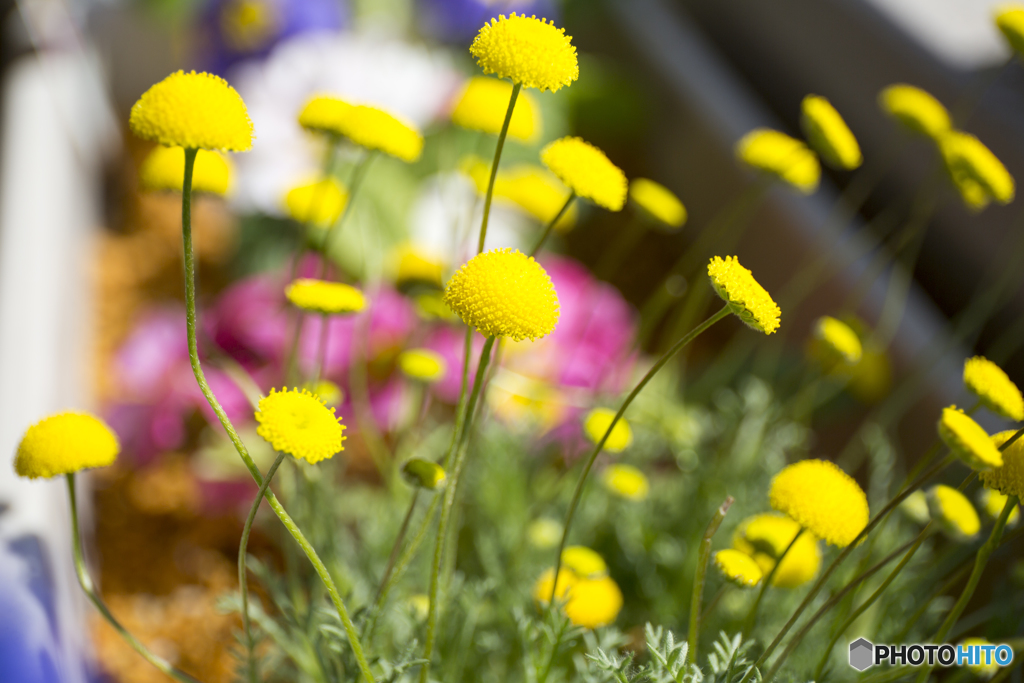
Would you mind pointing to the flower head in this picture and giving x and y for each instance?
(828, 133)
(777, 154)
(193, 111)
(532, 188)
(972, 165)
(589, 603)
(321, 296)
(544, 533)
(504, 293)
(1010, 20)
(374, 128)
(164, 169)
(482, 105)
(413, 266)
(985, 666)
(953, 512)
(766, 537)
(916, 109)
(526, 50)
(625, 481)
(422, 365)
(298, 423)
(993, 502)
(584, 562)
(658, 202)
(997, 392)
(424, 474)
(597, 422)
(747, 299)
(1007, 478)
(330, 392)
(318, 203)
(968, 440)
(821, 498)
(915, 507)
(65, 443)
(587, 171)
(738, 567)
(325, 114)
(838, 340)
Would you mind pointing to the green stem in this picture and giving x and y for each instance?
(314, 205)
(494, 166)
(765, 582)
(703, 557)
(551, 225)
(85, 580)
(581, 483)
(358, 175)
(393, 557)
(321, 351)
(554, 652)
(222, 416)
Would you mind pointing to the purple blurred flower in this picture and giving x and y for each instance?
(250, 320)
(450, 343)
(457, 21)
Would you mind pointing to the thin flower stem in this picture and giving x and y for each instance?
(393, 557)
(229, 428)
(460, 409)
(243, 581)
(314, 205)
(765, 582)
(321, 352)
(358, 175)
(494, 166)
(85, 580)
(554, 652)
(551, 225)
(581, 483)
(703, 557)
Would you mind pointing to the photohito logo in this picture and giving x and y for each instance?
(865, 654)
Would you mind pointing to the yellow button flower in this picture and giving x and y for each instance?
(821, 498)
(747, 299)
(985, 666)
(1008, 478)
(658, 202)
(321, 296)
(319, 203)
(325, 114)
(777, 154)
(424, 474)
(994, 388)
(584, 562)
(838, 340)
(915, 109)
(412, 266)
(164, 169)
(915, 507)
(544, 533)
(953, 512)
(422, 365)
(766, 536)
(738, 567)
(299, 424)
(586, 171)
(504, 293)
(971, 163)
(828, 133)
(65, 443)
(590, 603)
(538, 193)
(526, 50)
(1010, 20)
(968, 440)
(195, 111)
(330, 392)
(374, 128)
(597, 422)
(993, 502)
(625, 481)
(482, 105)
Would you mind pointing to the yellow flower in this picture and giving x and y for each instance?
(318, 203)
(544, 533)
(838, 340)
(330, 392)
(779, 155)
(586, 171)
(298, 423)
(828, 133)
(164, 169)
(747, 299)
(422, 364)
(374, 128)
(482, 105)
(414, 266)
(997, 392)
(971, 164)
(597, 422)
(248, 25)
(584, 562)
(915, 507)
(526, 50)
(986, 666)
(953, 512)
(590, 603)
(504, 293)
(1008, 478)
(968, 440)
(325, 114)
(657, 201)
(536, 192)
(65, 443)
(915, 109)
(625, 481)
(1010, 20)
(321, 296)
(738, 567)
(419, 605)
(993, 502)
(766, 536)
(821, 498)
(424, 474)
(193, 111)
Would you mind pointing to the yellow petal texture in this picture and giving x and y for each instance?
(839, 339)
(422, 365)
(779, 155)
(997, 392)
(993, 502)
(504, 293)
(376, 129)
(321, 296)
(916, 109)
(1010, 20)
(584, 562)
(658, 201)
(590, 603)
(828, 133)
(325, 114)
(482, 106)
(597, 422)
(625, 481)
(954, 512)
(821, 498)
(967, 158)
(766, 536)
(65, 443)
(299, 424)
(586, 171)
(164, 169)
(968, 440)
(747, 299)
(526, 50)
(319, 203)
(738, 567)
(1007, 478)
(195, 111)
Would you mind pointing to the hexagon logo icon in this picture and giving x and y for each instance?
(862, 654)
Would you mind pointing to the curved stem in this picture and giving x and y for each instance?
(494, 166)
(703, 556)
(243, 581)
(551, 225)
(393, 557)
(765, 582)
(85, 580)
